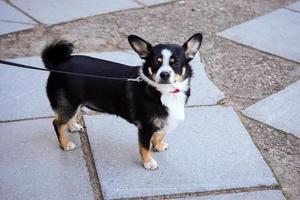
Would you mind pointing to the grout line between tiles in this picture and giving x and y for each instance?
(24, 119)
(240, 114)
(140, 3)
(209, 193)
(250, 47)
(23, 12)
(293, 10)
(15, 22)
(90, 162)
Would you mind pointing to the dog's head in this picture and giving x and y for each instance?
(166, 63)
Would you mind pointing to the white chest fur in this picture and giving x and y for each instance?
(175, 103)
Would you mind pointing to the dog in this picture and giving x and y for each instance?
(155, 105)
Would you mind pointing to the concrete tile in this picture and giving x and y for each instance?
(280, 110)
(10, 27)
(34, 167)
(55, 11)
(211, 150)
(19, 86)
(204, 92)
(12, 20)
(294, 6)
(10, 14)
(276, 33)
(153, 2)
(258, 195)
(22, 91)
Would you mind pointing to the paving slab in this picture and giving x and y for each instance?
(34, 167)
(294, 6)
(211, 150)
(12, 20)
(22, 91)
(56, 11)
(280, 110)
(9, 13)
(203, 91)
(276, 33)
(153, 2)
(23, 95)
(257, 195)
(9, 27)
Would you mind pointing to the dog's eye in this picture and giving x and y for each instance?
(159, 60)
(172, 60)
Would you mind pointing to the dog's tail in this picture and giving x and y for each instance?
(56, 52)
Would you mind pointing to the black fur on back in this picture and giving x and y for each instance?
(56, 52)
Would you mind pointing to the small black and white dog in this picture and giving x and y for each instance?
(155, 104)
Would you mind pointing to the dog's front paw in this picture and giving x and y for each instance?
(75, 127)
(161, 147)
(68, 146)
(151, 164)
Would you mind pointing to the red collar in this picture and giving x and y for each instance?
(175, 91)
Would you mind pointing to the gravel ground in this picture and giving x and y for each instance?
(244, 74)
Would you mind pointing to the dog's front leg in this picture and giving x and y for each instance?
(144, 148)
(158, 142)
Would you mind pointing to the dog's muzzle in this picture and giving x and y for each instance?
(165, 77)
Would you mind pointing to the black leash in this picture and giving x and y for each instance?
(138, 79)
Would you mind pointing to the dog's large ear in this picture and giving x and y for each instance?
(140, 46)
(192, 46)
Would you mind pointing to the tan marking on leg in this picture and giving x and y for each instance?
(65, 144)
(145, 154)
(158, 142)
(62, 139)
(148, 161)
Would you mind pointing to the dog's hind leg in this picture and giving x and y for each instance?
(65, 108)
(60, 127)
(64, 115)
(73, 125)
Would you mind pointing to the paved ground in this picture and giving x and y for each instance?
(280, 110)
(244, 74)
(33, 168)
(210, 151)
(259, 33)
(19, 15)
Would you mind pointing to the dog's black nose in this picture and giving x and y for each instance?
(165, 75)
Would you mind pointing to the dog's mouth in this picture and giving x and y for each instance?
(165, 82)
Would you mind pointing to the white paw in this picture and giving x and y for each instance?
(75, 127)
(70, 146)
(163, 147)
(151, 164)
